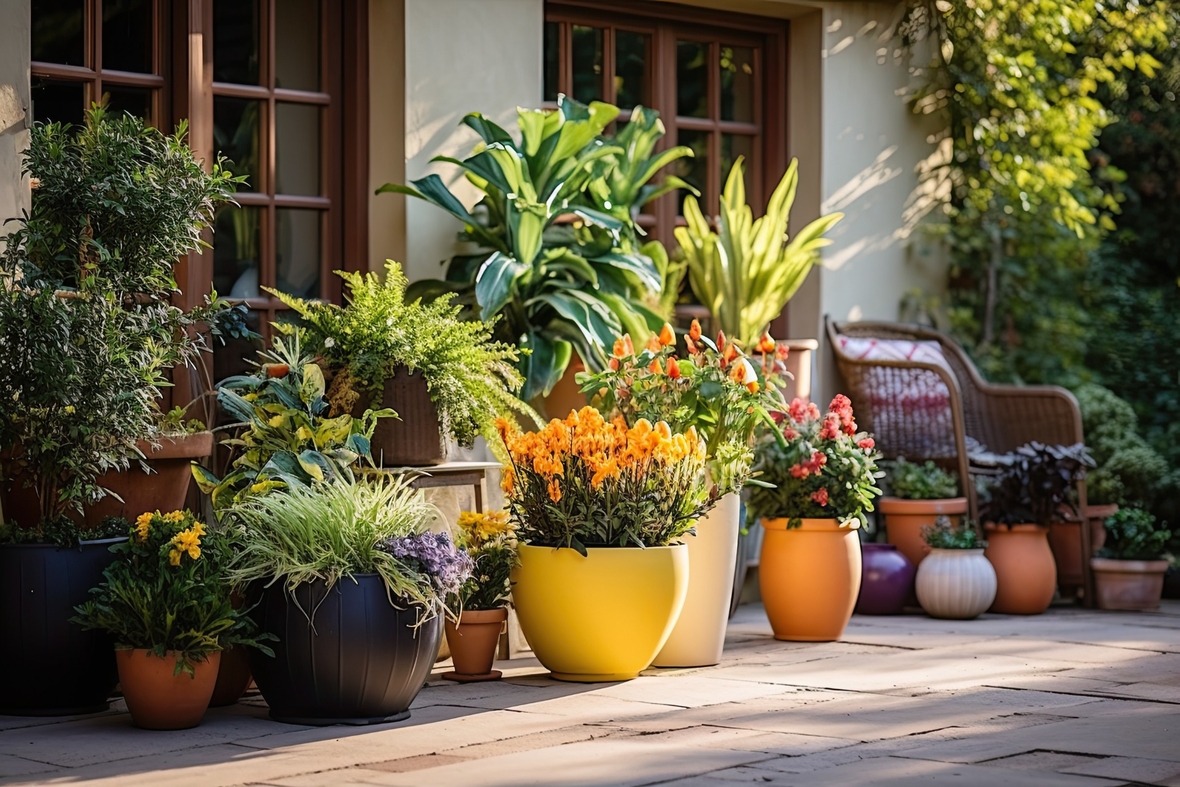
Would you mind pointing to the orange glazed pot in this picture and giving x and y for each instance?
(473, 644)
(158, 698)
(1026, 573)
(809, 578)
(904, 520)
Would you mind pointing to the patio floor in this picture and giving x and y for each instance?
(1069, 697)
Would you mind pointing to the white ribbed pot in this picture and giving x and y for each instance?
(699, 634)
(958, 584)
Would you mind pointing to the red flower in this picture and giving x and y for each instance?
(831, 428)
(790, 434)
(810, 467)
(867, 444)
(777, 417)
(673, 369)
(820, 496)
(613, 363)
(720, 341)
(841, 406)
(813, 411)
(798, 410)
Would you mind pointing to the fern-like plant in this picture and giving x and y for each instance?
(472, 379)
(747, 271)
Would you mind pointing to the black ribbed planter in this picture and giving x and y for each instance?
(360, 660)
(48, 665)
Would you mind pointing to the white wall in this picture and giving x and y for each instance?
(14, 104)
(461, 56)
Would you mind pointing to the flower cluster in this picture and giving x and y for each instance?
(185, 541)
(820, 464)
(490, 540)
(434, 556)
(716, 389)
(585, 481)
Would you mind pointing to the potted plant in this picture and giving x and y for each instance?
(1129, 570)
(1034, 489)
(556, 268)
(442, 375)
(166, 604)
(489, 540)
(88, 332)
(724, 395)
(955, 581)
(600, 508)
(345, 575)
(824, 476)
(920, 494)
(886, 580)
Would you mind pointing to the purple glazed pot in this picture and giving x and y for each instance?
(887, 580)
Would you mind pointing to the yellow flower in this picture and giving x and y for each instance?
(69, 409)
(143, 526)
(174, 557)
(173, 517)
(555, 491)
(276, 421)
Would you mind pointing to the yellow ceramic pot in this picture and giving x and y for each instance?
(603, 617)
(809, 577)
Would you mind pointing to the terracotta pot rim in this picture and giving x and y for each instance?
(1116, 566)
(604, 550)
(903, 506)
(483, 616)
(167, 653)
(1102, 511)
(180, 446)
(809, 524)
(1027, 527)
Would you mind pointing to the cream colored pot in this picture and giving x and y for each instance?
(957, 584)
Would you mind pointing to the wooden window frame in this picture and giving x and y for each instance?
(665, 25)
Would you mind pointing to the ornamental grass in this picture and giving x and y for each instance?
(588, 482)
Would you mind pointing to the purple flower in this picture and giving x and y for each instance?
(432, 554)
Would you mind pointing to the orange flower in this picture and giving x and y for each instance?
(618, 350)
(766, 344)
(692, 347)
(655, 367)
(720, 341)
(653, 344)
(554, 491)
(628, 347)
(667, 336)
(673, 369)
(694, 331)
(508, 479)
(613, 363)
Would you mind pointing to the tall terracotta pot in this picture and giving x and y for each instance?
(1134, 585)
(473, 644)
(160, 699)
(905, 519)
(809, 578)
(698, 637)
(414, 438)
(1026, 574)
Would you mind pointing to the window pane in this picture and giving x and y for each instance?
(297, 251)
(127, 35)
(732, 146)
(631, 78)
(692, 79)
(552, 62)
(136, 100)
(235, 357)
(236, 41)
(297, 44)
(235, 136)
(587, 45)
(57, 32)
(737, 83)
(297, 149)
(236, 258)
(694, 170)
(60, 101)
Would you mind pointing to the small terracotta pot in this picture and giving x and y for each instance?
(1026, 573)
(1128, 584)
(473, 643)
(1065, 539)
(233, 677)
(956, 584)
(809, 578)
(904, 520)
(414, 438)
(157, 698)
(1098, 516)
(887, 580)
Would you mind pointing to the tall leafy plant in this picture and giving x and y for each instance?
(556, 268)
(748, 269)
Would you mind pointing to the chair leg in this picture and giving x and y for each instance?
(1087, 548)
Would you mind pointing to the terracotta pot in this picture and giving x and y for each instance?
(473, 643)
(164, 489)
(887, 579)
(956, 584)
(809, 578)
(1098, 516)
(904, 520)
(159, 699)
(233, 677)
(566, 394)
(414, 438)
(699, 634)
(1026, 574)
(1128, 584)
(1065, 539)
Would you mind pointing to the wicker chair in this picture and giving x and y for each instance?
(949, 413)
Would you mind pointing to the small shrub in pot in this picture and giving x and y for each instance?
(489, 540)
(920, 492)
(1129, 570)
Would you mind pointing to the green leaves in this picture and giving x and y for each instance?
(495, 280)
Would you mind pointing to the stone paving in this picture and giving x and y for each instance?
(1071, 697)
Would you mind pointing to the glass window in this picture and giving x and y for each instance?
(737, 83)
(587, 48)
(692, 79)
(297, 149)
(237, 41)
(58, 101)
(631, 69)
(58, 34)
(237, 136)
(297, 44)
(127, 35)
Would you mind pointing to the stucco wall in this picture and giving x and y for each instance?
(14, 104)
(461, 56)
